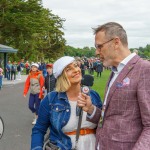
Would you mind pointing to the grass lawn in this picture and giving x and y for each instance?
(100, 83)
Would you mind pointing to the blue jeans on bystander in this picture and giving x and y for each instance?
(1, 77)
(34, 103)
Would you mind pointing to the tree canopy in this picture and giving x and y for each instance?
(35, 31)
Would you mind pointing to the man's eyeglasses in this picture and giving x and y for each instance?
(99, 46)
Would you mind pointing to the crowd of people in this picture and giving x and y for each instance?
(14, 69)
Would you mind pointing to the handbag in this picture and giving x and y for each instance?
(48, 145)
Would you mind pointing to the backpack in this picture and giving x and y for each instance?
(18, 68)
(13, 68)
(34, 84)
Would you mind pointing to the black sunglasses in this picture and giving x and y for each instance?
(99, 46)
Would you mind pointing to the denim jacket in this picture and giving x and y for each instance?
(54, 112)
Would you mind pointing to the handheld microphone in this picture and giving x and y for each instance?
(86, 82)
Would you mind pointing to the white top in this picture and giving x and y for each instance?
(117, 71)
(87, 141)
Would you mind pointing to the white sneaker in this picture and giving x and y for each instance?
(34, 121)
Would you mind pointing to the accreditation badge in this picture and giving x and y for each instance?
(102, 116)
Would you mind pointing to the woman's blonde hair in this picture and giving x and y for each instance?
(62, 83)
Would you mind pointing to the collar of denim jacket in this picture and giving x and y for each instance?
(62, 95)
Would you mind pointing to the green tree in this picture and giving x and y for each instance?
(32, 29)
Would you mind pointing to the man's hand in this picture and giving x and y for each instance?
(24, 95)
(85, 102)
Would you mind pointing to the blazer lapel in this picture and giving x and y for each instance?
(121, 76)
(106, 88)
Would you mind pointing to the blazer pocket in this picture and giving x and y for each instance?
(125, 137)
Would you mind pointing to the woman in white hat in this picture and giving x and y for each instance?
(58, 111)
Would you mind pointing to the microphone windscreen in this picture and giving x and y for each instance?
(87, 80)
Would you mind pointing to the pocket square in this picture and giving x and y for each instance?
(125, 82)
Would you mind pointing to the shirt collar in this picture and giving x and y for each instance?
(122, 63)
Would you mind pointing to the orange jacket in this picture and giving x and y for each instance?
(34, 81)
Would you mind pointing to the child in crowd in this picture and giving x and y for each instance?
(34, 81)
(1, 77)
(50, 80)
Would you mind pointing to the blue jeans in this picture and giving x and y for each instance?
(1, 77)
(8, 75)
(34, 103)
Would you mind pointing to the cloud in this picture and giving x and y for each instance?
(82, 15)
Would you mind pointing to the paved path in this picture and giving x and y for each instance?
(9, 82)
(16, 115)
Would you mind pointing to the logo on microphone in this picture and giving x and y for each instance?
(85, 89)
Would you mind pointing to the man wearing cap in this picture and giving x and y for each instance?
(34, 81)
(50, 80)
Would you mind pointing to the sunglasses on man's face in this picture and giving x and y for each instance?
(99, 46)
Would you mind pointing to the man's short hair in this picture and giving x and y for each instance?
(112, 30)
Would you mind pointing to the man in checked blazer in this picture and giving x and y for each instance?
(124, 121)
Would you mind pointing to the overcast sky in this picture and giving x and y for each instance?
(82, 15)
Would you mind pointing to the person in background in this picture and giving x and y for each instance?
(13, 71)
(22, 65)
(8, 70)
(19, 71)
(58, 110)
(86, 64)
(99, 68)
(34, 81)
(1, 78)
(43, 68)
(50, 81)
(91, 66)
(82, 66)
(27, 66)
(124, 121)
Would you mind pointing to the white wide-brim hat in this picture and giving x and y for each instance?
(35, 64)
(60, 64)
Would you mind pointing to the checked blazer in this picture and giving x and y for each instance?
(126, 124)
